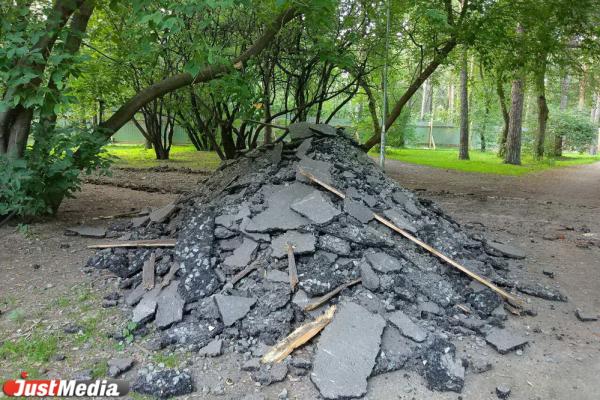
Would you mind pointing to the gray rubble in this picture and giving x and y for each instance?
(229, 284)
(585, 316)
(505, 340)
(352, 339)
(233, 308)
(117, 366)
(87, 231)
(163, 383)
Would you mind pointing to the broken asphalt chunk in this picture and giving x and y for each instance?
(170, 306)
(407, 327)
(383, 262)
(316, 207)
(506, 250)
(505, 340)
(233, 308)
(346, 352)
(302, 243)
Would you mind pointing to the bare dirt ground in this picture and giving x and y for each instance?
(553, 215)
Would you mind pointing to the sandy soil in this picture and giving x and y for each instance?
(554, 215)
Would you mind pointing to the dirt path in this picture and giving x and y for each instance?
(554, 215)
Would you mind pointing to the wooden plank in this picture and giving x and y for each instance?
(292, 271)
(122, 215)
(240, 275)
(326, 297)
(298, 337)
(135, 243)
(450, 261)
(148, 272)
(170, 275)
(508, 297)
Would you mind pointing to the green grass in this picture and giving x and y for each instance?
(38, 348)
(487, 163)
(136, 156)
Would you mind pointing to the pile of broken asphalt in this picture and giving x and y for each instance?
(225, 286)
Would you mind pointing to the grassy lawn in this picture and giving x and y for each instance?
(185, 156)
(136, 156)
(487, 163)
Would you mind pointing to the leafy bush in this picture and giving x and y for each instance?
(49, 172)
(578, 132)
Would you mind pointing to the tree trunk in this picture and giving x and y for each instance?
(229, 147)
(426, 100)
(540, 85)
(505, 117)
(582, 85)
(414, 86)
(513, 140)
(15, 123)
(267, 74)
(77, 29)
(564, 93)
(463, 150)
(595, 117)
(372, 104)
(564, 102)
(450, 102)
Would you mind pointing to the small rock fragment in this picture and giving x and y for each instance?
(383, 262)
(370, 280)
(407, 327)
(443, 370)
(316, 207)
(117, 366)
(480, 365)
(503, 391)
(506, 250)
(242, 255)
(585, 316)
(252, 364)
(213, 349)
(233, 308)
(160, 215)
(357, 210)
(164, 383)
(504, 340)
(86, 231)
(303, 243)
(170, 306)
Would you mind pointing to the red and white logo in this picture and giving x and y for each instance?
(64, 388)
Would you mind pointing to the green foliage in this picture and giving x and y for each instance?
(401, 132)
(50, 170)
(578, 132)
(129, 331)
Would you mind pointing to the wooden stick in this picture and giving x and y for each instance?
(239, 276)
(148, 272)
(122, 215)
(135, 243)
(320, 182)
(292, 271)
(422, 244)
(326, 297)
(170, 275)
(298, 337)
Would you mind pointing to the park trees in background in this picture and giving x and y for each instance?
(228, 72)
